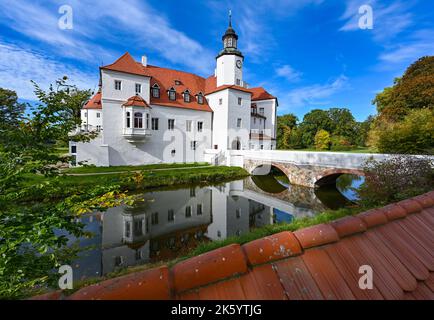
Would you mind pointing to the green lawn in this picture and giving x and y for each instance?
(355, 150)
(93, 169)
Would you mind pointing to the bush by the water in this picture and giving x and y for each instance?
(396, 178)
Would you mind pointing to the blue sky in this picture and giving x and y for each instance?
(309, 53)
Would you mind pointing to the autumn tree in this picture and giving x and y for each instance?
(322, 140)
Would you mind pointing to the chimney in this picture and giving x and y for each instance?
(144, 61)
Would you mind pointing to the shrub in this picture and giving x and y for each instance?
(414, 135)
(322, 140)
(394, 179)
(340, 143)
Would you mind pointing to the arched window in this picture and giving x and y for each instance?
(128, 120)
(155, 91)
(138, 120)
(186, 96)
(172, 94)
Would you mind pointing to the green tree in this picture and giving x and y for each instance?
(343, 124)
(312, 122)
(413, 135)
(285, 124)
(322, 140)
(29, 247)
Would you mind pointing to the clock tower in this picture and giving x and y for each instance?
(229, 60)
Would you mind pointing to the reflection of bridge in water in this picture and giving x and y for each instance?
(297, 201)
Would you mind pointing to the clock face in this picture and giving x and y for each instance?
(239, 63)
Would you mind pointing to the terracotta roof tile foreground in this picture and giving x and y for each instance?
(319, 262)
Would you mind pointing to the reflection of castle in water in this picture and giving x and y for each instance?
(168, 223)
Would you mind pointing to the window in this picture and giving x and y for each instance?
(188, 211)
(73, 149)
(261, 111)
(118, 85)
(170, 215)
(220, 101)
(262, 146)
(98, 128)
(138, 120)
(118, 261)
(193, 145)
(139, 255)
(172, 94)
(154, 218)
(192, 192)
(199, 126)
(186, 96)
(127, 229)
(147, 121)
(239, 123)
(239, 101)
(85, 114)
(138, 88)
(154, 123)
(216, 146)
(173, 152)
(138, 228)
(200, 98)
(155, 91)
(238, 82)
(128, 120)
(98, 115)
(199, 209)
(238, 213)
(171, 124)
(177, 82)
(254, 120)
(188, 125)
(230, 42)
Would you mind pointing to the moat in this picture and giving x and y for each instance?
(170, 222)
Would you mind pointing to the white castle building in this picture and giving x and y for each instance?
(148, 114)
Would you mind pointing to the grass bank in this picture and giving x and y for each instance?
(93, 169)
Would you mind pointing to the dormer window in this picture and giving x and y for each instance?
(177, 83)
(155, 91)
(186, 94)
(172, 94)
(200, 98)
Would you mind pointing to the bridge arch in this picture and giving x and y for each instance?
(329, 176)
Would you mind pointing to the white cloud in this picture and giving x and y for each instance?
(130, 23)
(389, 20)
(289, 73)
(417, 45)
(315, 94)
(18, 66)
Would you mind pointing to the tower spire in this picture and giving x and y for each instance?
(230, 18)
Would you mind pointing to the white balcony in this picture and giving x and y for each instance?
(136, 134)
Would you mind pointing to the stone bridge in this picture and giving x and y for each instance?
(303, 168)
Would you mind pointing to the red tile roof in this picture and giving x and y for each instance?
(319, 262)
(260, 93)
(136, 101)
(165, 78)
(94, 102)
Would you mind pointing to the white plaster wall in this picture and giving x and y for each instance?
(236, 111)
(90, 117)
(270, 113)
(128, 89)
(94, 152)
(226, 70)
(220, 118)
(158, 147)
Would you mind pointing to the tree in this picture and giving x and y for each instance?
(30, 250)
(312, 122)
(411, 98)
(322, 140)
(285, 124)
(413, 135)
(414, 90)
(343, 124)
